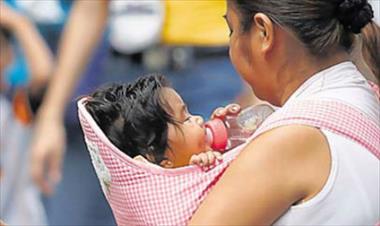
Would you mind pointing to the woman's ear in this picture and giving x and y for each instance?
(265, 27)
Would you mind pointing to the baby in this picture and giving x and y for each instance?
(149, 121)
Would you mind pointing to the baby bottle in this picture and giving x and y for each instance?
(234, 130)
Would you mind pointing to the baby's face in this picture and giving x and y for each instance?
(186, 139)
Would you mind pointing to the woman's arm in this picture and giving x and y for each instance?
(277, 169)
(81, 34)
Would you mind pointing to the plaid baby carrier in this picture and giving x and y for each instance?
(146, 194)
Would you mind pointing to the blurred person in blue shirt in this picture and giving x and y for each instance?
(20, 202)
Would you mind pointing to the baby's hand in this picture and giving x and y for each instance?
(206, 159)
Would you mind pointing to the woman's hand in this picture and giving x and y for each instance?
(47, 151)
(222, 112)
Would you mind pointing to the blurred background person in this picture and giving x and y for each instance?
(186, 40)
(20, 201)
(371, 49)
(366, 52)
(49, 18)
(376, 10)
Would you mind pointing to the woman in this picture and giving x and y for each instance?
(20, 202)
(290, 50)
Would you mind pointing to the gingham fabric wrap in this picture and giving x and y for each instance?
(145, 194)
(330, 115)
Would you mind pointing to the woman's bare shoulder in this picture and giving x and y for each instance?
(301, 153)
(291, 142)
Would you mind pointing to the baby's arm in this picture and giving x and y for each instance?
(206, 159)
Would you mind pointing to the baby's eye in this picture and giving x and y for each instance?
(187, 118)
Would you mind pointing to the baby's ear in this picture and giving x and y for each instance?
(140, 158)
(166, 164)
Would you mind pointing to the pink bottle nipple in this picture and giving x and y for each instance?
(216, 134)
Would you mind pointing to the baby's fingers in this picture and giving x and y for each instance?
(210, 157)
(214, 156)
(200, 159)
(218, 155)
(204, 159)
(195, 160)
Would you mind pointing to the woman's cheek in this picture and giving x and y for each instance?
(233, 57)
(239, 58)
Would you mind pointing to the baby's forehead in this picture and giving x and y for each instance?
(169, 93)
(172, 99)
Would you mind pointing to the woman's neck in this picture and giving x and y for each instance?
(299, 69)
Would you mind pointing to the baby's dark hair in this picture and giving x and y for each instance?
(133, 116)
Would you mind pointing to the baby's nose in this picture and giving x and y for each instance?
(199, 120)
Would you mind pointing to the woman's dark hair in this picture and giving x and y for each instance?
(371, 48)
(133, 116)
(321, 25)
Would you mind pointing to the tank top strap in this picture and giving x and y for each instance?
(334, 116)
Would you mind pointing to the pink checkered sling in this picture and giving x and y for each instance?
(145, 194)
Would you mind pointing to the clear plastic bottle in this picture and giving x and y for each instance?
(225, 134)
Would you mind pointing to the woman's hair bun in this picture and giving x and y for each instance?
(354, 14)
